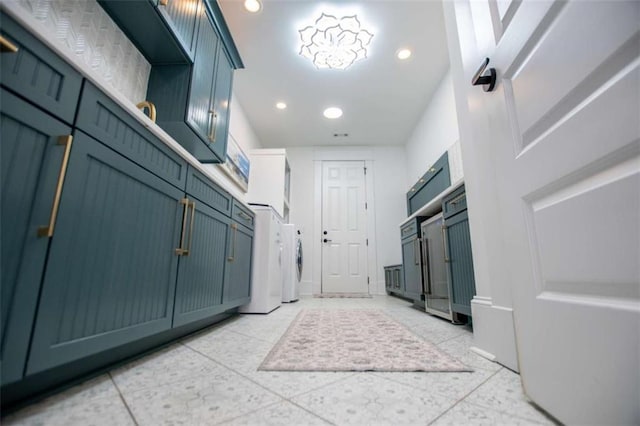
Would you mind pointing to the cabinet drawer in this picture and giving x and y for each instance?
(432, 183)
(37, 74)
(203, 188)
(411, 228)
(103, 119)
(454, 202)
(242, 215)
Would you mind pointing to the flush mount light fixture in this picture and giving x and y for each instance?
(252, 6)
(404, 54)
(332, 42)
(281, 105)
(333, 112)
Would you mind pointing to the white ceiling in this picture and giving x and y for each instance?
(381, 96)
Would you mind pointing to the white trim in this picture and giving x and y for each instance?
(493, 332)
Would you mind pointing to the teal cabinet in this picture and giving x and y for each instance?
(237, 285)
(192, 100)
(201, 271)
(412, 268)
(111, 268)
(164, 31)
(32, 151)
(432, 183)
(38, 75)
(394, 279)
(458, 246)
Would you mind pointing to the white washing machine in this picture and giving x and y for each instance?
(292, 263)
(266, 276)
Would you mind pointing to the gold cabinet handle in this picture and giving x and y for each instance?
(193, 216)
(243, 215)
(416, 253)
(47, 231)
(458, 199)
(6, 46)
(213, 124)
(163, 2)
(150, 106)
(180, 251)
(444, 244)
(233, 247)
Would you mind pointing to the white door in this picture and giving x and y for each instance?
(344, 228)
(563, 128)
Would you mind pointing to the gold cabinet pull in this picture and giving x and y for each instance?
(193, 216)
(233, 247)
(150, 106)
(6, 46)
(163, 2)
(180, 251)
(243, 215)
(213, 124)
(47, 231)
(444, 244)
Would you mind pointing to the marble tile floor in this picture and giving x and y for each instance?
(211, 378)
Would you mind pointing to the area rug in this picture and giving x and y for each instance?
(354, 340)
(343, 296)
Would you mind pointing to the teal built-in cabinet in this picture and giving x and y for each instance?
(112, 243)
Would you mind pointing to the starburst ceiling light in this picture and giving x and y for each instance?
(333, 42)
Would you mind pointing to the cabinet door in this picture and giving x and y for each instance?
(221, 97)
(111, 271)
(412, 266)
(237, 286)
(463, 286)
(201, 271)
(388, 284)
(31, 160)
(199, 109)
(37, 74)
(181, 17)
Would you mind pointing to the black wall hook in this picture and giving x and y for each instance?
(488, 82)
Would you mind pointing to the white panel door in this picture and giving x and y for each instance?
(563, 128)
(344, 228)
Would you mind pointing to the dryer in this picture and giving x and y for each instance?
(292, 263)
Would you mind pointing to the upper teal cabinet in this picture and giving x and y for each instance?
(163, 30)
(192, 101)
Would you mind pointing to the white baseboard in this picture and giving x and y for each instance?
(493, 332)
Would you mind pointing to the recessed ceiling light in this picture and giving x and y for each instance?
(333, 112)
(252, 5)
(404, 53)
(281, 105)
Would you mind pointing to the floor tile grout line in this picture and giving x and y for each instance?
(124, 401)
(285, 398)
(465, 396)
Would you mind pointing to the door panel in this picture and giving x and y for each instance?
(201, 273)
(460, 263)
(344, 254)
(199, 115)
(412, 265)
(31, 160)
(221, 97)
(562, 126)
(181, 15)
(237, 287)
(111, 270)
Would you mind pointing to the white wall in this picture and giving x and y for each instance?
(387, 173)
(436, 131)
(239, 129)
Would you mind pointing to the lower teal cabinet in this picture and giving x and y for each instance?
(394, 279)
(201, 271)
(111, 268)
(237, 286)
(460, 262)
(31, 161)
(412, 268)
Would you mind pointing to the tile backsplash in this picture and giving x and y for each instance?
(89, 33)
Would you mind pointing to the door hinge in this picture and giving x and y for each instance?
(366, 206)
(365, 170)
(367, 280)
(367, 241)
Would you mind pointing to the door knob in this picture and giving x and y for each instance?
(326, 241)
(488, 82)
